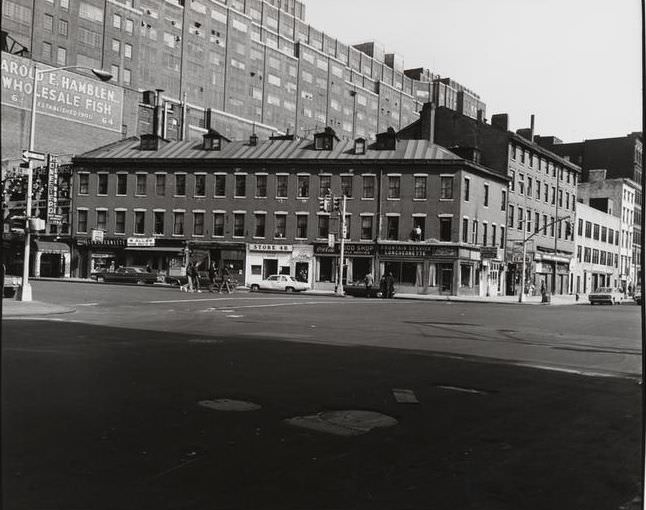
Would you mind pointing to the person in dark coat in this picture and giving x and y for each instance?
(390, 285)
(213, 274)
(383, 287)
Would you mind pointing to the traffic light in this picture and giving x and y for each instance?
(337, 203)
(324, 204)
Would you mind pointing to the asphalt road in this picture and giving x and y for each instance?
(101, 408)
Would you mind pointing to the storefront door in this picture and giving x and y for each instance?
(446, 278)
(302, 271)
(269, 267)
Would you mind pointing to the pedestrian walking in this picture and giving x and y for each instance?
(226, 281)
(390, 285)
(383, 287)
(213, 274)
(190, 274)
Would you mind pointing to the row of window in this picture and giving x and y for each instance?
(598, 232)
(541, 191)
(489, 235)
(259, 227)
(594, 256)
(525, 156)
(303, 186)
(538, 223)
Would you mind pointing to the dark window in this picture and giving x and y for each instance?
(281, 224)
(141, 184)
(366, 227)
(511, 216)
(474, 232)
(122, 184)
(281, 186)
(159, 222)
(140, 222)
(218, 224)
(241, 185)
(580, 231)
(82, 221)
(348, 222)
(446, 187)
(84, 184)
(595, 232)
(178, 225)
(346, 186)
(520, 218)
(486, 195)
(420, 187)
(301, 226)
(484, 234)
(588, 229)
(467, 189)
(465, 230)
(180, 184)
(200, 185)
(493, 235)
(260, 225)
(198, 223)
(503, 201)
(392, 227)
(368, 186)
(537, 222)
(220, 185)
(261, 186)
(101, 220)
(502, 237)
(238, 225)
(120, 222)
(325, 183)
(160, 185)
(102, 184)
(324, 226)
(394, 182)
(445, 229)
(303, 186)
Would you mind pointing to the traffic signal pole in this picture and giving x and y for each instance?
(339, 287)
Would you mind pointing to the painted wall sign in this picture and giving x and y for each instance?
(367, 250)
(271, 247)
(61, 94)
(444, 251)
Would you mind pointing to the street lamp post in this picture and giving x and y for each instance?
(24, 293)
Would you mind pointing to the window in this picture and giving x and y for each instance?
(502, 237)
(116, 21)
(544, 224)
(218, 224)
(260, 225)
(465, 230)
(160, 184)
(588, 229)
(446, 187)
(116, 46)
(528, 225)
(580, 231)
(595, 256)
(529, 187)
(348, 223)
(420, 187)
(127, 50)
(567, 200)
(198, 223)
(102, 188)
(366, 228)
(325, 183)
(611, 235)
(158, 222)
(520, 218)
(512, 180)
(303, 186)
(281, 224)
(521, 184)
(560, 198)
(82, 221)
(546, 192)
(392, 227)
(48, 22)
(467, 188)
(587, 255)
(261, 186)
(140, 222)
(61, 56)
(346, 186)
(324, 226)
(301, 226)
(511, 216)
(503, 202)
(537, 222)
(445, 229)
(114, 71)
(120, 222)
(579, 253)
(595, 232)
(241, 185)
(484, 234)
(368, 186)
(474, 232)
(493, 235)
(47, 51)
(220, 185)
(101, 219)
(127, 76)
(486, 195)
(129, 26)
(238, 224)
(178, 223)
(281, 186)
(84, 184)
(141, 184)
(394, 186)
(538, 190)
(180, 185)
(552, 226)
(200, 185)
(553, 195)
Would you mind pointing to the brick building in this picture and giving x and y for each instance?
(255, 205)
(542, 188)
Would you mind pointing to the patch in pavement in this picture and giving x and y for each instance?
(343, 423)
(405, 396)
(463, 390)
(205, 341)
(226, 404)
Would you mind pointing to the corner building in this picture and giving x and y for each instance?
(256, 206)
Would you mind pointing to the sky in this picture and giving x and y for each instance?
(574, 64)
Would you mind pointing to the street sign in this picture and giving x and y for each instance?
(330, 240)
(33, 155)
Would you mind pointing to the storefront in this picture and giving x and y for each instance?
(359, 261)
(492, 271)
(266, 259)
(543, 273)
(52, 259)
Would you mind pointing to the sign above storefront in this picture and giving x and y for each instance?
(97, 235)
(140, 242)
(490, 252)
(404, 250)
(444, 252)
(271, 247)
(350, 249)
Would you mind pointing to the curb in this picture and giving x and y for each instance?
(34, 310)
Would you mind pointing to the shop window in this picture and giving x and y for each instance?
(102, 188)
(324, 226)
(122, 184)
(120, 222)
(261, 186)
(140, 222)
(198, 223)
(160, 185)
(238, 225)
(218, 224)
(180, 185)
(158, 222)
(220, 185)
(178, 224)
(465, 275)
(281, 226)
(392, 226)
(256, 270)
(303, 186)
(281, 186)
(366, 228)
(200, 185)
(82, 221)
(260, 225)
(84, 184)
(301, 226)
(241, 185)
(445, 229)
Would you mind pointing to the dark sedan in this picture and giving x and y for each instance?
(128, 274)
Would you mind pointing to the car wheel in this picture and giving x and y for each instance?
(141, 282)
(289, 289)
(255, 288)
(100, 279)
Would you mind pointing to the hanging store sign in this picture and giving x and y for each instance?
(61, 94)
(53, 218)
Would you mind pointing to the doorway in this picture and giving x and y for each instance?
(302, 271)
(269, 267)
(446, 278)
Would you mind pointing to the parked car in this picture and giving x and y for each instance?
(607, 295)
(128, 274)
(280, 282)
(177, 281)
(359, 289)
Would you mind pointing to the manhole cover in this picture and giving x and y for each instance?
(343, 423)
(225, 404)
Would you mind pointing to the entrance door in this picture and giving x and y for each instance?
(446, 278)
(302, 271)
(269, 267)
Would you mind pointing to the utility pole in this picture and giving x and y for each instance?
(556, 230)
(339, 287)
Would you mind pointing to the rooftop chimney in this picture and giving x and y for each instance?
(428, 122)
(597, 175)
(531, 128)
(500, 121)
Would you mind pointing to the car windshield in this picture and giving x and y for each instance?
(136, 270)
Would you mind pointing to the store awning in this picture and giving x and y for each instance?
(51, 247)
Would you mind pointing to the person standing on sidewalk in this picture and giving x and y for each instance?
(213, 274)
(390, 285)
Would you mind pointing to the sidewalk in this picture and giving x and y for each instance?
(13, 308)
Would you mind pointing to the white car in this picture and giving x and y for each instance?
(606, 295)
(282, 282)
